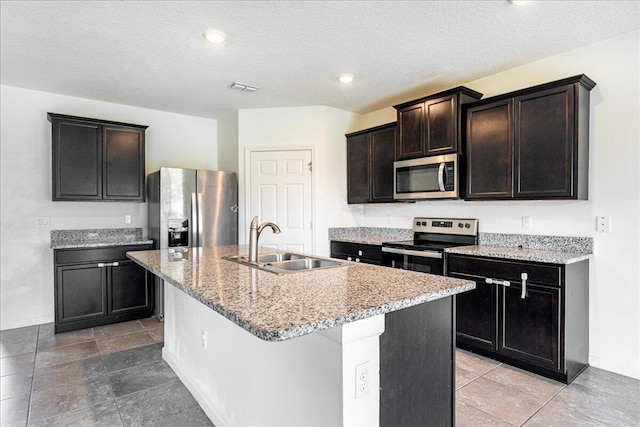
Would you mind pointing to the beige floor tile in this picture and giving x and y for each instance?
(124, 342)
(555, 413)
(117, 329)
(474, 363)
(47, 339)
(157, 334)
(67, 353)
(464, 377)
(469, 416)
(507, 403)
(151, 323)
(527, 382)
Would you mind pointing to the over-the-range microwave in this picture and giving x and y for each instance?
(434, 177)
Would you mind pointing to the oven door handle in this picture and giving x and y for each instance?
(422, 254)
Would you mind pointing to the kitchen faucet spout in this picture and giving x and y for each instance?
(254, 235)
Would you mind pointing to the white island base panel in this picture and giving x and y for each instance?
(241, 380)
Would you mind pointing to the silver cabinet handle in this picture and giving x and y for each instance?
(107, 264)
(524, 277)
(357, 259)
(497, 282)
(359, 253)
(349, 258)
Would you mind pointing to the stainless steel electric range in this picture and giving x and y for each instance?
(431, 237)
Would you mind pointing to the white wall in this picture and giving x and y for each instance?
(26, 262)
(319, 128)
(228, 142)
(614, 191)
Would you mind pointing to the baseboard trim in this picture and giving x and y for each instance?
(206, 405)
(615, 367)
(21, 323)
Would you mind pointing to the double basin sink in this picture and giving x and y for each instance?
(287, 262)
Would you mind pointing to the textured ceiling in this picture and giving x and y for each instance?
(152, 54)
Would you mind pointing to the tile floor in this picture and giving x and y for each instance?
(114, 375)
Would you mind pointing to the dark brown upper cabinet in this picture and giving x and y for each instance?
(432, 125)
(530, 144)
(370, 157)
(97, 160)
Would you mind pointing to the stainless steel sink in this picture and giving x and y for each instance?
(287, 262)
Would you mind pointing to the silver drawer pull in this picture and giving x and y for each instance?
(524, 277)
(107, 264)
(497, 282)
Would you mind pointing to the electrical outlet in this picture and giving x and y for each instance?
(526, 223)
(363, 379)
(603, 224)
(43, 221)
(203, 339)
(127, 219)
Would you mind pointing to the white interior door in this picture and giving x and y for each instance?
(280, 192)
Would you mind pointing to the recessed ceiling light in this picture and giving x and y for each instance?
(215, 36)
(518, 2)
(345, 78)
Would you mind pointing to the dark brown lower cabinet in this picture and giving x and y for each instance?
(96, 287)
(358, 252)
(417, 366)
(543, 329)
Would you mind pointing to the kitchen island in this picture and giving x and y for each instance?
(328, 347)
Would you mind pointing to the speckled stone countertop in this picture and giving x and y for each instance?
(97, 238)
(524, 254)
(530, 247)
(369, 235)
(280, 307)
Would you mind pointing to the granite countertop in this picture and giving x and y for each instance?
(520, 254)
(97, 238)
(280, 307)
(369, 235)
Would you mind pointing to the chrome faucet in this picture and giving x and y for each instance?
(254, 235)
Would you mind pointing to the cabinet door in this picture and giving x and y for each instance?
(410, 132)
(358, 168)
(530, 327)
(81, 292)
(442, 126)
(489, 151)
(129, 289)
(123, 172)
(77, 160)
(544, 144)
(383, 154)
(476, 315)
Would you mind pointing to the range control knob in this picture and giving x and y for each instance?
(467, 225)
(460, 225)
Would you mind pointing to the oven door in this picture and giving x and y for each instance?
(413, 260)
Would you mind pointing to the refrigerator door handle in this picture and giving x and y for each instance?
(200, 225)
(194, 222)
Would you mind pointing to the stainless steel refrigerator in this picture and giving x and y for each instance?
(190, 208)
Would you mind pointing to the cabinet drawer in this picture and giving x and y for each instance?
(83, 255)
(356, 250)
(504, 270)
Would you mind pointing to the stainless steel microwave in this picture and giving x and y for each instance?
(433, 177)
